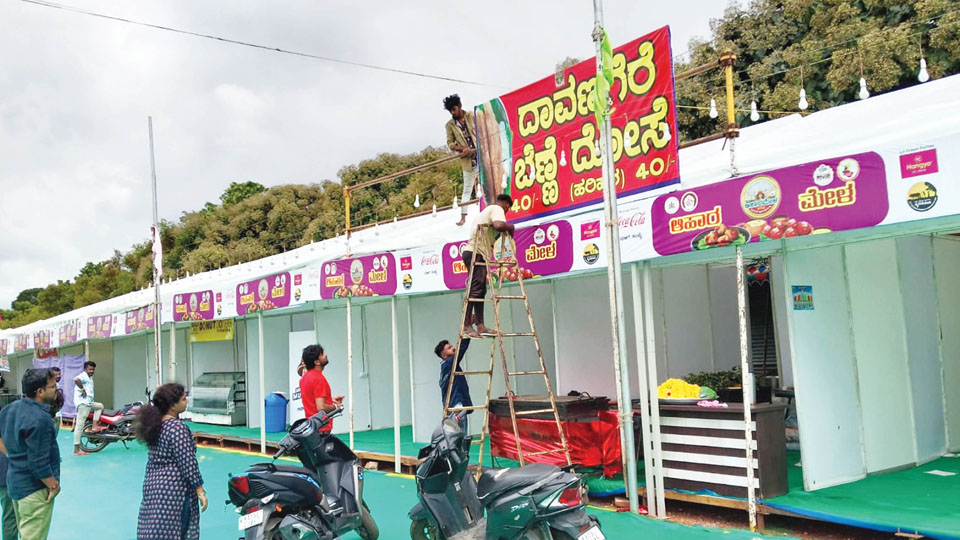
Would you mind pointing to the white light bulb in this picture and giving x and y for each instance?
(533, 173)
(479, 190)
(454, 205)
(627, 141)
(416, 201)
(754, 114)
(376, 229)
(563, 158)
(803, 100)
(503, 182)
(923, 76)
(713, 108)
(596, 147)
(666, 131)
(864, 93)
(434, 213)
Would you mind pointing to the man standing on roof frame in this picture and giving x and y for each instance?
(462, 138)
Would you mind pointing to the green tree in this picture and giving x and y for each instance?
(237, 192)
(831, 39)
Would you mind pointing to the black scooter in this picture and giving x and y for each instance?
(534, 502)
(321, 500)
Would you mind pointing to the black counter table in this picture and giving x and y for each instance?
(704, 449)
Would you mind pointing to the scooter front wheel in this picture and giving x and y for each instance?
(368, 527)
(422, 529)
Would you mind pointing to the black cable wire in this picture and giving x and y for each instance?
(256, 46)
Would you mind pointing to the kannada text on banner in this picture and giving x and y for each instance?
(372, 275)
(541, 142)
(836, 194)
(41, 339)
(69, 333)
(138, 320)
(21, 342)
(264, 294)
(99, 327)
(193, 306)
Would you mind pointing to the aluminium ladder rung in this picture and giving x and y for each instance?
(537, 372)
(532, 412)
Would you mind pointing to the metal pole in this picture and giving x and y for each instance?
(638, 318)
(396, 385)
(556, 334)
(650, 343)
(172, 364)
(413, 394)
(350, 365)
(261, 404)
(618, 335)
(156, 271)
(745, 374)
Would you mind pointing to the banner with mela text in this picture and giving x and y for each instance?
(370, 275)
(843, 193)
(540, 143)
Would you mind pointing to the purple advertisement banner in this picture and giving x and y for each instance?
(138, 320)
(543, 250)
(41, 339)
(21, 342)
(836, 194)
(372, 275)
(99, 327)
(69, 333)
(264, 294)
(3, 347)
(193, 306)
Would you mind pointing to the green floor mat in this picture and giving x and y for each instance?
(910, 500)
(109, 483)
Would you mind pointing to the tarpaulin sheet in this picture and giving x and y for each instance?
(593, 443)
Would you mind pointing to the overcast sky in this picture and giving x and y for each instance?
(75, 93)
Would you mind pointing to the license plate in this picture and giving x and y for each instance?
(593, 533)
(256, 518)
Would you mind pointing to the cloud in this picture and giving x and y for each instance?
(75, 93)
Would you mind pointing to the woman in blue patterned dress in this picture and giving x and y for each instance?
(173, 494)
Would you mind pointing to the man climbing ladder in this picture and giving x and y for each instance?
(485, 228)
(478, 256)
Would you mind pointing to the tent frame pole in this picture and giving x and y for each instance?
(350, 366)
(262, 391)
(645, 398)
(396, 384)
(650, 352)
(746, 375)
(413, 393)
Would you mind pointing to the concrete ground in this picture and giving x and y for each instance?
(101, 498)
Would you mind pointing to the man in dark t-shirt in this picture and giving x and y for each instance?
(460, 395)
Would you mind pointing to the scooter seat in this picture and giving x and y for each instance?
(267, 467)
(496, 481)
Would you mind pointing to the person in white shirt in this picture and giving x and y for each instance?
(83, 399)
(484, 231)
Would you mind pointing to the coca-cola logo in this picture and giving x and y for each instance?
(430, 260)
(634, 220)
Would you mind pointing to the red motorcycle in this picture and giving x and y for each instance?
(116, 426)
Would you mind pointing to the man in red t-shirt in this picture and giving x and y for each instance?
(314, 388)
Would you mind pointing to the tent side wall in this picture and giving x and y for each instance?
(946, 254)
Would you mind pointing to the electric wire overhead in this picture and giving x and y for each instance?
(257, 46)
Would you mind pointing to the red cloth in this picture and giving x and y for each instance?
(313, 385)
(593, 443)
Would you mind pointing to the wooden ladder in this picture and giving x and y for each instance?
(505, 260)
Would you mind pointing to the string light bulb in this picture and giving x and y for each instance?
(864, 93)
(563, 158)
(533, 173)
(454, 205)
(713, 108)
(416, 201)
(802, 104)
(754, 113)
(923, 76)
(596, 147)
(434, 212)
(666, 132)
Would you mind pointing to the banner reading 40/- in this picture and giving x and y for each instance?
(540, 143)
